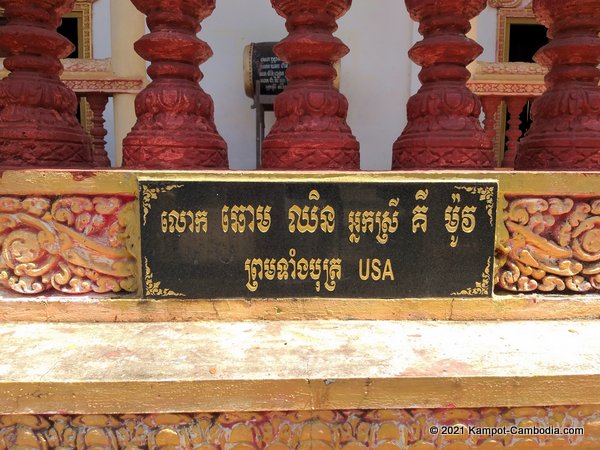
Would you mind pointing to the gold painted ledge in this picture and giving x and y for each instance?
(132, 309)
(303, 365)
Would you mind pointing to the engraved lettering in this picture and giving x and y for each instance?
(373, 269)
(184, 222)
(380, 223)
(240, 219)
(324, 272)
(307, 219)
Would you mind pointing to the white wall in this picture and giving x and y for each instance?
(377, 75)
(486, 33)
(101, 45)
(374, 75)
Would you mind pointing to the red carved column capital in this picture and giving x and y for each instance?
(565, 133)
(175, 127)
(311, 130)
(38, 126)
(443, 129)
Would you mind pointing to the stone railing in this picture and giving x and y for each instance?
(95, 81)
(175, 127)
(511, 85)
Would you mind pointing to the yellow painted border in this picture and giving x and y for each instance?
(59, 182)
(122, 397)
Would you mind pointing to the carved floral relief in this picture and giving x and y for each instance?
(73, 245)
(553, 245)
(302, 430)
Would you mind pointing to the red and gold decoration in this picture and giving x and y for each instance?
(553, 245)
(565, 133)
(38, 126)
(70, 244)
(175, 127)
(311, 130)
(444, 130)
(318, 430)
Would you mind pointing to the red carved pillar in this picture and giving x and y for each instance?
(175, 127)
(311, 130)
(97, 102)
(514, 107)
(38, 127)
(491, 104)
(565, 133)
(443, 129)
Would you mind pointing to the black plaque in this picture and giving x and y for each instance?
(261, 239)
(268, 69)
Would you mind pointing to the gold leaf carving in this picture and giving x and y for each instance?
(553, 245)
(73, 244)
(153, 287)
(392, 429)
(149, 194)
(482, 287)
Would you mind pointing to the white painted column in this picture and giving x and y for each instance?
(126, 27)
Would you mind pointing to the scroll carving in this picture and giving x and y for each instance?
(510, 3)
(73, 245)
(553, 245)
(317, 430)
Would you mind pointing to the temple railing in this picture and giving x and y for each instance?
(506, 88)
(499, 85)
(92, 329)
(95, 81)
(175, 125)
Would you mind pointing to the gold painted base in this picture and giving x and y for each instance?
(110, 368)
(132, 309)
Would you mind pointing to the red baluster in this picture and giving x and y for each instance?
(311, 130)
(97, 102)
(38, 126)
(565, 133)
(175, 127)
(491, 104)
(514, 107)
(443, 129)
